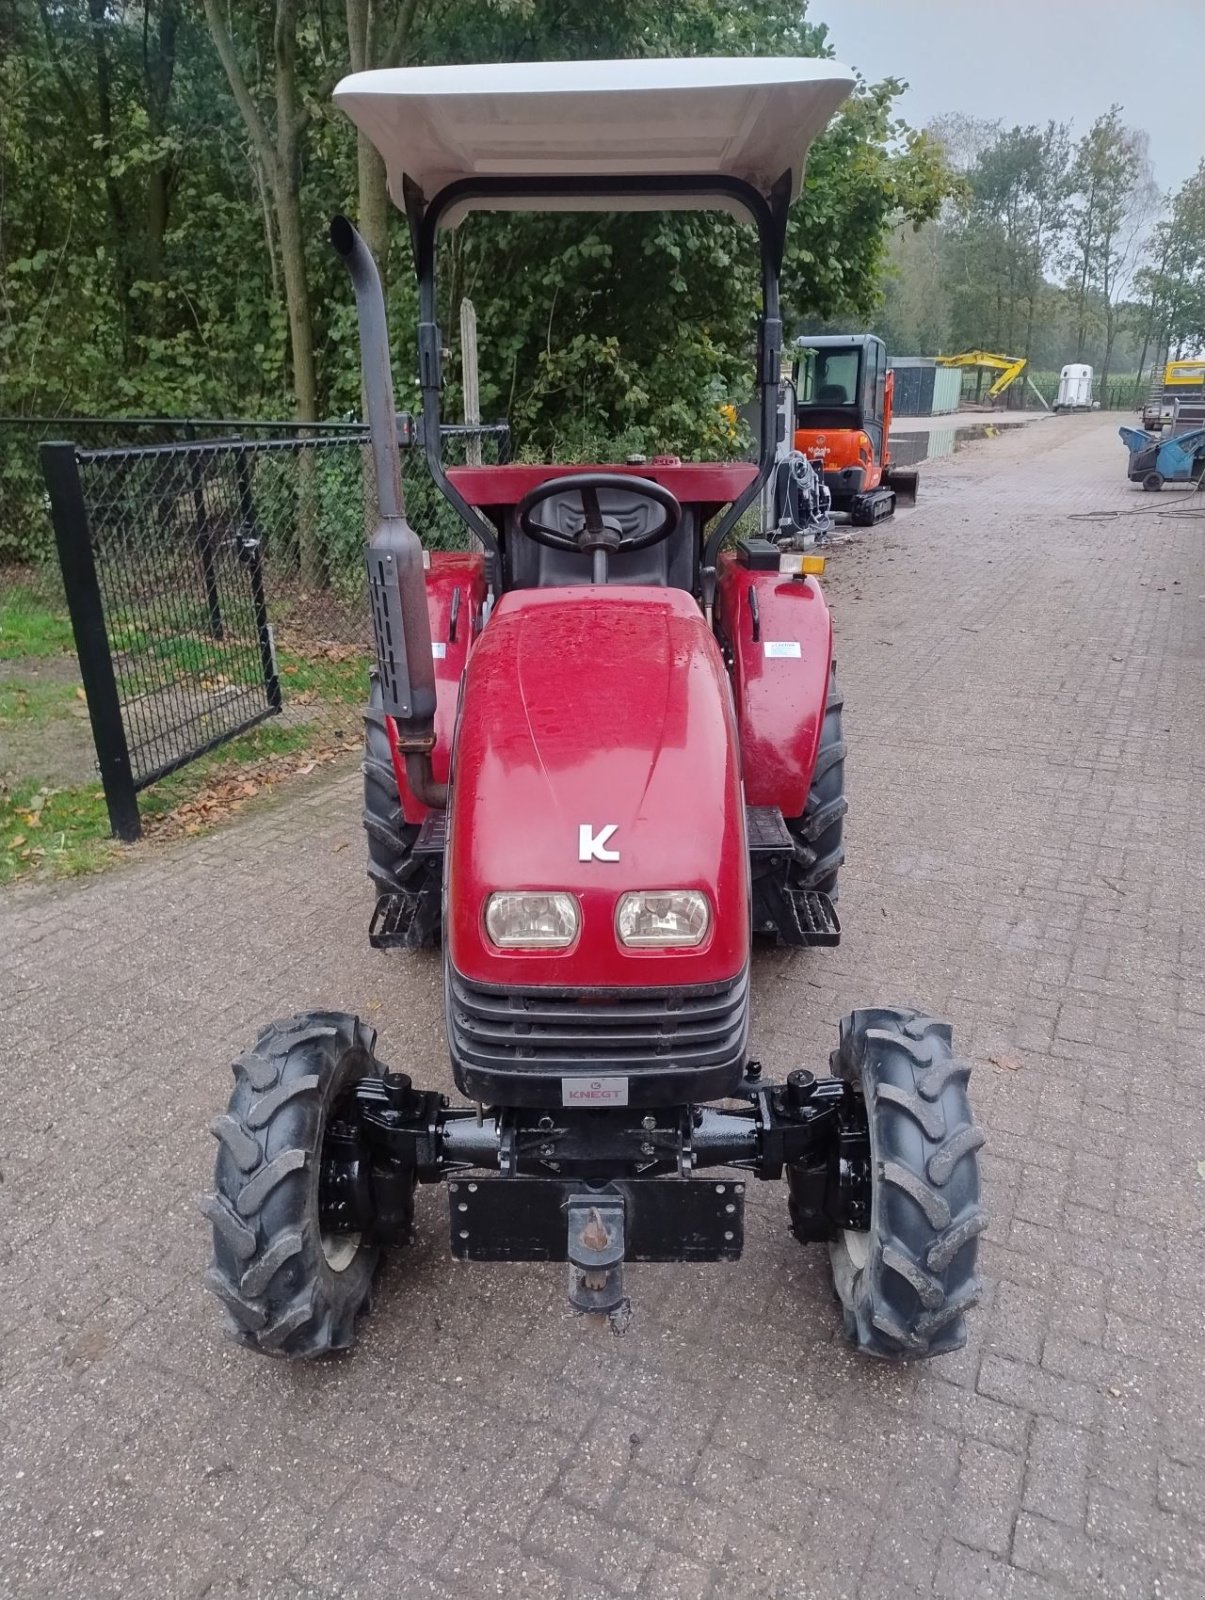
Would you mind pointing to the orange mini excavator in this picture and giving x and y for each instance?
(843, 416)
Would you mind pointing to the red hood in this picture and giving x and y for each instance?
(597, 707)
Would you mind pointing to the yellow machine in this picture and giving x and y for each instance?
(1184, 375)
(1009, 368)
(1177, 399)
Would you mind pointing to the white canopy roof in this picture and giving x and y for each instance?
(740, 117)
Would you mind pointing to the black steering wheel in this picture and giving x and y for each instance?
(600, 535)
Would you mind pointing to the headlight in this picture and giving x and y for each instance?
(661, 918)
(531, 921)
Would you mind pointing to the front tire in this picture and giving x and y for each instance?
(289, 1288)
(906, 1283)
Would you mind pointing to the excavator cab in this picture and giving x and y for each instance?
(843, 391)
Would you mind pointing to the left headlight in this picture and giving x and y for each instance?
(531, 921)
(664, 918)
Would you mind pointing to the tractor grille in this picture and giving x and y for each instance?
(554, 1031)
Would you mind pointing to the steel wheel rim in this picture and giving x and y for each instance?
(857, 1247)
(340, 1249)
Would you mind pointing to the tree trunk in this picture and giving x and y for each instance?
(158, 66)
(1110, 339)
(123, 243)
(280, 157)
(297, 292)
(371, 194)
(311, 555)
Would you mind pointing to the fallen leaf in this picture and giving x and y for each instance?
(1201, 1169)
(1005, 1063)
(15, 844)
(79, 692)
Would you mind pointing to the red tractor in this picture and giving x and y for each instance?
(604, 756)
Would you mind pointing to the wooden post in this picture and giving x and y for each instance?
(469, 383)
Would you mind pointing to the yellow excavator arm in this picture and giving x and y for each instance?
(1009, 367)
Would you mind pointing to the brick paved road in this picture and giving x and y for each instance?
(1027, 855)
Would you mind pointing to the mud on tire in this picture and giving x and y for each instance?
(905, 1285)
(285, 1293)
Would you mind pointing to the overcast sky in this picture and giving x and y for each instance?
(1029, 60)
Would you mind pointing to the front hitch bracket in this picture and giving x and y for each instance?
(596, 1187)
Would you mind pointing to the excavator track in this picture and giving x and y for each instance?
(867, 509)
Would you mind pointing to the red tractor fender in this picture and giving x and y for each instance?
(452, 573)
(781, 654)
(597, 755)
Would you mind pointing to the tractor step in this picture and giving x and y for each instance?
(403, 921)
(814, 915)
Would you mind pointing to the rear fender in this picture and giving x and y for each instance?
(779, 679)
(450, 572)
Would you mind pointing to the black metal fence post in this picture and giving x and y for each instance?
(204, 537)
(251, 551)
(70, 517)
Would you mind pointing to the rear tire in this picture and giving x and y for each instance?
(1153, 482)
(288, 1289)
(390, 837)
(906, 1284)
(820, 829)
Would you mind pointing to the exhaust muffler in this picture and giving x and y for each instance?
(396, 585)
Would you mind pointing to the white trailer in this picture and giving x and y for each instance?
(1075, 388)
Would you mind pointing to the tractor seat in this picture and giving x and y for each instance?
(832, 394)
(670, 564)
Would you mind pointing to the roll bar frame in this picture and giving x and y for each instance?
(769, 214)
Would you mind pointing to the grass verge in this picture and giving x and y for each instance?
(51, 829)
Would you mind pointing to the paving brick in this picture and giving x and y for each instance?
(1025, 850)
(985, 1499)
(1086, 1566)
(965, 1574)
(1044, 1393)
(673, 1577)
(584, 1544)
(1182, 1489)
(1056, 1472)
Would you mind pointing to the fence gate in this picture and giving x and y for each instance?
(163, 568)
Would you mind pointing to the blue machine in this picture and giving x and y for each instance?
(1154, 462)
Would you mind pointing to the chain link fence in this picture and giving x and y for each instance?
(225, 563)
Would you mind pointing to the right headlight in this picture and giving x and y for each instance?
(658, 919)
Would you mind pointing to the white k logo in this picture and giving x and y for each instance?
(592, 846)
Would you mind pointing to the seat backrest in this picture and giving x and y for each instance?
(670, 564)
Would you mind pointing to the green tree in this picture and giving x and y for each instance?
(1172, 278)
(167, 170)
(1002, 237)
(1113, 200)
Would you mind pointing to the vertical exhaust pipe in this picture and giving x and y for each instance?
(396, 583)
